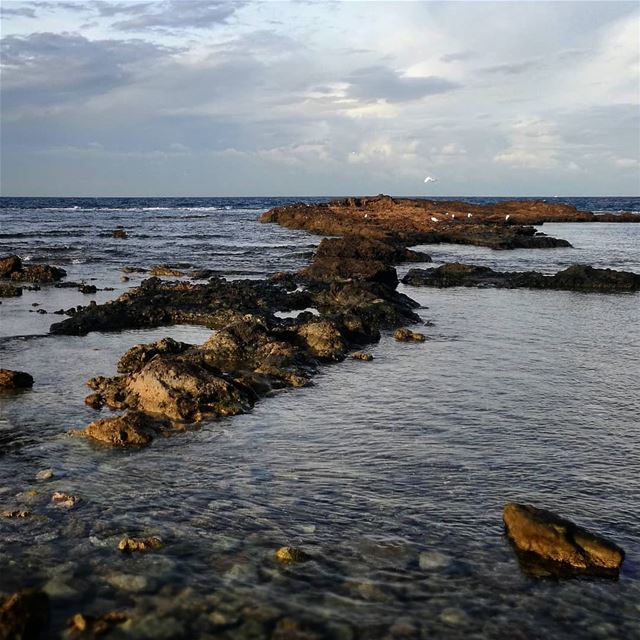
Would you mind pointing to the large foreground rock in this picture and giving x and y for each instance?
(548, 544)
(577, 277)
(24, 615)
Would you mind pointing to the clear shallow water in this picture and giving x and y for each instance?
(518, 395)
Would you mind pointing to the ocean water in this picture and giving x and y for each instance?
(392, 474)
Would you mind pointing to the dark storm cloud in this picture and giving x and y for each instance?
(382, 83)
(51, 68)
(176, 14)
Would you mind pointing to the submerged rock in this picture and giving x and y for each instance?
(575, 278)
(362, 355)
(24, 615)
(548, 544)
(16, 513)
(95, 625)
(130, 429)
(291, 554)
(119, 233)
(127, 544)
(15, 379)
(165, 270)
(406, 335)
(66, 500)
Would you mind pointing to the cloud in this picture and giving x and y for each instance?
(172, 15)
(534, 145)
(54, 68)
(382, 83)
(457, 57)
(19, 11)
(512, 68)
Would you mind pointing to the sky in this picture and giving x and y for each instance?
(218, 98)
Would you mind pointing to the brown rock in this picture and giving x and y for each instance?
(362, 355)
(291, 554)
(130, 429)
(39, 273)
(8, 265)
(164, 270)
(94, 400)
(406, 335)
(119, 233)
(16, 514)
(9, 291)
(15, 379)
(323, 340)
(549, 544)
(65, 500)
(24, 615)
(95, 625)
(127, 544)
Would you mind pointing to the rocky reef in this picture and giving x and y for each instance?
(502, 225)
(578, 277)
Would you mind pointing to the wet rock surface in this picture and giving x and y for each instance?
(548, 544)
(15, 379)
(9, 290)
(575, 278)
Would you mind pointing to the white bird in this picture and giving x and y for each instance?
(430, 179)
(469, 215)
(507, 217)
(366, 215)
(453, 215)
(434, 219)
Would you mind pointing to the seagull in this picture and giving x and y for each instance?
(453, 215)
(434, 219)
(469, 215)
(507, 217)
(430, 179)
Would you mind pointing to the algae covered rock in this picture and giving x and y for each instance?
(548, 544)
(128, 545)
(291, 554)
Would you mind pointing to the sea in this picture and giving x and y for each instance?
(392, 474)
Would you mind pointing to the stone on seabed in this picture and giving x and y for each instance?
(550, 545)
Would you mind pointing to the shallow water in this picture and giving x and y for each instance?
(517, 395)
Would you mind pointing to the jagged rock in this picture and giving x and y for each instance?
(130, 429)
(95, 625)
(16, 513)
(369, 249)
(406, 335)
(95, 401)
(362, 355)
(88, 288)
(574, 278)
(24, 615)
(136, 357)
(9, 291)
(15, 379)
(128, 545)
(8, 265)
(291, 554)
(184, 391)
(549, 544)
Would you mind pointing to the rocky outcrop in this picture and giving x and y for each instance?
(131, 429)
(547, 544)
(503, 225)
(15, 379)
(24, 615)
(575, 278)
(136, 357)
(406, 335)
(13, 268)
